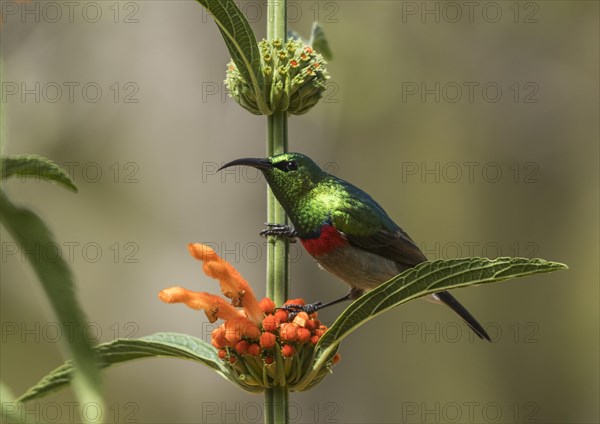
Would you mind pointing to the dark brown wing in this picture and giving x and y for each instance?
(396, 246)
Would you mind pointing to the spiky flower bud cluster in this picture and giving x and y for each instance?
(294, 78)
(276, 352)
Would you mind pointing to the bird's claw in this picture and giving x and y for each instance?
(294, 310)
(281, 230)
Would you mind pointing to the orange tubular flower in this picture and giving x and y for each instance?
(214, 307)
(232, 283)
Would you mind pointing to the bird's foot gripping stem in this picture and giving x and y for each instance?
(294, 310)
(280, 230)
(310, 308)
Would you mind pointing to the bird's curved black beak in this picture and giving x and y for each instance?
(257, 163)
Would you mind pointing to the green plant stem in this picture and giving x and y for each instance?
(276, 399)
(277, 256)
(277, 19)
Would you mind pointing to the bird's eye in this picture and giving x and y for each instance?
(286, 166)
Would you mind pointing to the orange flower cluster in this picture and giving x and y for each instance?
(260, 342)
(237, 337)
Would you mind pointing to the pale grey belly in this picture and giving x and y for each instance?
(358, 268)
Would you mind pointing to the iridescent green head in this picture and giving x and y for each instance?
(290, 175)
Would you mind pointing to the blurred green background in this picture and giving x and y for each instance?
(475, 124)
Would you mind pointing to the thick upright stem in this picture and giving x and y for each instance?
(276, 399)
(277, 19)
(277, 253)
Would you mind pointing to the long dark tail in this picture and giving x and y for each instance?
(455, 305)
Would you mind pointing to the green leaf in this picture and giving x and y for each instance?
(36, 166)
(241, 43)
(291, 34)
(11, 410)
(32, 235)
(424, 279)
(319, 42)
(160, 345)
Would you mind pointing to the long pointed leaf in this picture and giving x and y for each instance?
(241, 43)
(10, 410)
(426, 278)
(165, 345)
(36, 166)
(32, 234)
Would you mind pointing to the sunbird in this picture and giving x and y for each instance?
(347, 232)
